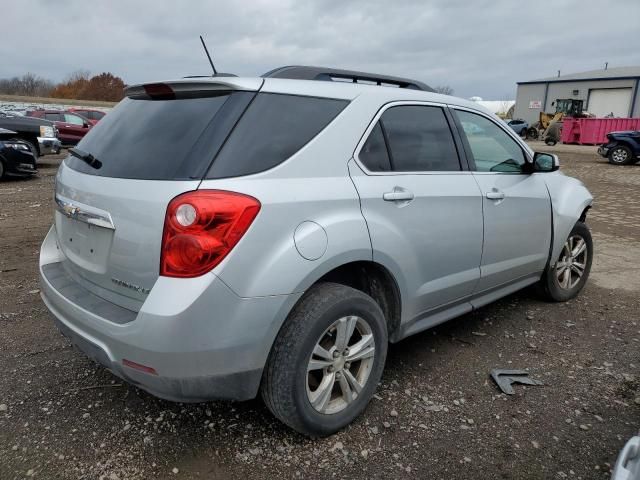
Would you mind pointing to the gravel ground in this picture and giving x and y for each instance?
(436, 414)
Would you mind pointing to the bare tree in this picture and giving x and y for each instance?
(28, 84)
(444, 89)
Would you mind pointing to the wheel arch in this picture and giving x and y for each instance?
(375, 280)
(570, 201)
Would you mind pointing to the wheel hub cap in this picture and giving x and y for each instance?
(619, 155)
(340, 364)
(571, 265)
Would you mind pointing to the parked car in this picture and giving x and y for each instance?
(94, 116)
(518, 126)
(71, 126)
(219, 237)
(40, 135)
(16, 158)
(622, 148)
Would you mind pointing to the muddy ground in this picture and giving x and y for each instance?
(436, 415)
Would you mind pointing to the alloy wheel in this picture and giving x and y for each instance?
(340, 364)
(619, 155)
(572, 263)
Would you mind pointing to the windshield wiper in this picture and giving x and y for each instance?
(86, 157)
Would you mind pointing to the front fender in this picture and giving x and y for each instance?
(569, 198)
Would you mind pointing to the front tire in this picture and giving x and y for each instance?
(326, 361)
(621, 155)
(566, 277)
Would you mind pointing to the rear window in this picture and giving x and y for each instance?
(226, 135)
(161, 139)
(274, 127)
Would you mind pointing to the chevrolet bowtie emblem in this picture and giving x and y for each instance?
(70, 210)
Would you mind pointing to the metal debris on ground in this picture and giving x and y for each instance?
(505, 378)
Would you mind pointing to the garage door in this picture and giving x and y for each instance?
(603, 102)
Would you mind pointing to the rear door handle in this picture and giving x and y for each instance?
(495, 195)
(398, 195)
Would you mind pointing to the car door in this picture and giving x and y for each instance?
(76, 126)
(516, 205)
(423, 211)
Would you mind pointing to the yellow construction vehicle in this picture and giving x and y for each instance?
(549, 126)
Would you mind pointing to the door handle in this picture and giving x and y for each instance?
(495, 195)
(398, 195)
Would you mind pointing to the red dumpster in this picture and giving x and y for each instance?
(592, 131)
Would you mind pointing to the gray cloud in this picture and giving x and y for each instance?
(479, 47)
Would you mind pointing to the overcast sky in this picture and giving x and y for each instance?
(477, 47)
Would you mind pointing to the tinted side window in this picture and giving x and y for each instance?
(374, 153)
(492, 149)
(96, 115)
(420, 139)
(273, 128)
(53, 117)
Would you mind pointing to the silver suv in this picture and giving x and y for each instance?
(216, 237)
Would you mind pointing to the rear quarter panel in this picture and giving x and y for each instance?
(313, 185)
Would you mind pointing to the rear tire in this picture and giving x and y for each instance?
(621, 155)
(565, 278)
(313, 354)
(1, 169)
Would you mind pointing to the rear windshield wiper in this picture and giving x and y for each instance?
(86, 157)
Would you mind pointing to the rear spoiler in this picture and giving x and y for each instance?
(191, 87)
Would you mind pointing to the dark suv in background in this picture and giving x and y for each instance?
(622, 148)
(40, 135)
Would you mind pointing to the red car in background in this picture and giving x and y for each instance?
(71, 126)
(94, 116)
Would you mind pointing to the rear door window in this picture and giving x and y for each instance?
(274, 127)
(161, 139)
(419, 139)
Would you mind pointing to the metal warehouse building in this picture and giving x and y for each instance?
(614, 90)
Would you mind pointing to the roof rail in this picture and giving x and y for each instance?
(300, 72)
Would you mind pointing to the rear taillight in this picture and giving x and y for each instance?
(201, 228)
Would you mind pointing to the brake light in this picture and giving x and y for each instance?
(159, 91)
(201, 228)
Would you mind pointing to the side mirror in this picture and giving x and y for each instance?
(545, 162)
(86, 125)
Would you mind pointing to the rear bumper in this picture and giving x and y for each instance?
(215, 348)
(48, 145)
